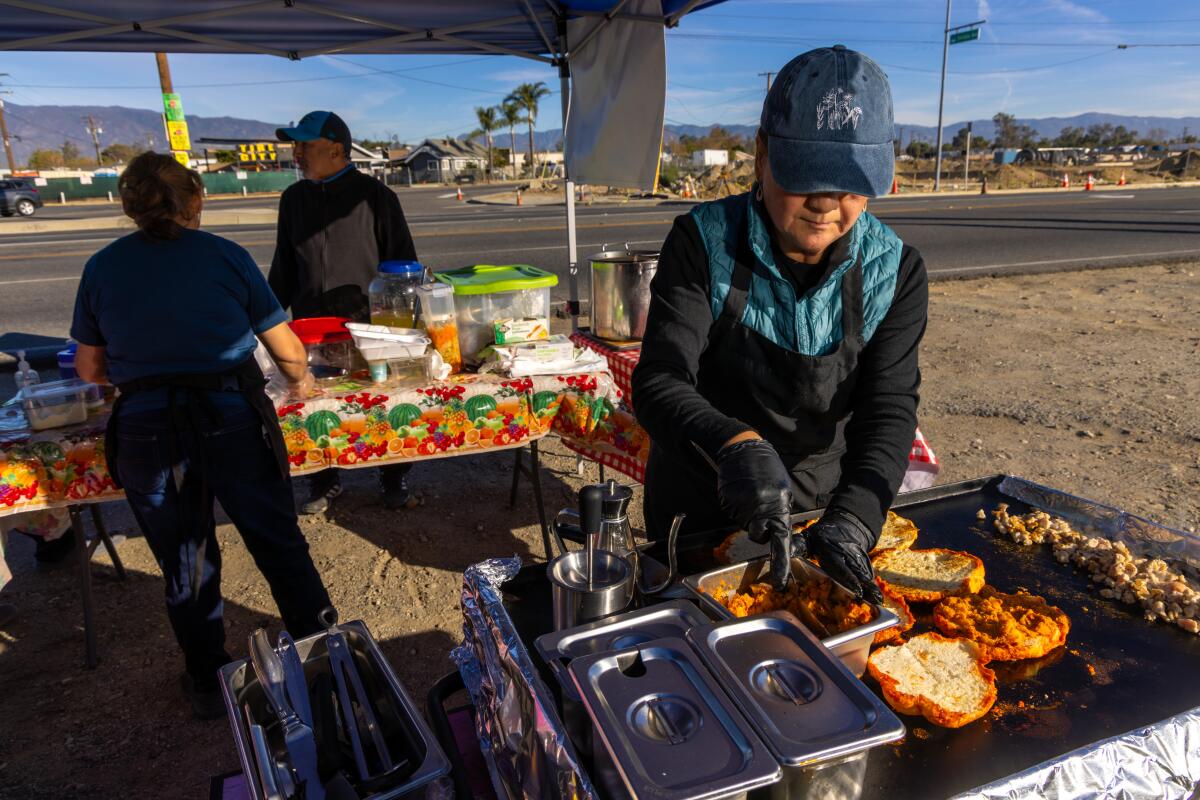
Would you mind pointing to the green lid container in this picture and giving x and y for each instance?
(490, 278)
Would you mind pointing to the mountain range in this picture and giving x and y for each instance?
(47, 127)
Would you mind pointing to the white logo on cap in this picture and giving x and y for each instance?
(835, 107)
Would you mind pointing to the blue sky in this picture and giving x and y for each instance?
(1035, 58)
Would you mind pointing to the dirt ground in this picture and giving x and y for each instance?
(1086, 381)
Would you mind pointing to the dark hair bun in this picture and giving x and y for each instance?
(156, 190)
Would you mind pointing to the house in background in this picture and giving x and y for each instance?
(445, 160)
(710, 158)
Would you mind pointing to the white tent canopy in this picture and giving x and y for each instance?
(596, 33)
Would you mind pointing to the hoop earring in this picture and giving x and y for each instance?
(758, 193)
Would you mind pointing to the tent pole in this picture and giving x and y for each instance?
(564, 76)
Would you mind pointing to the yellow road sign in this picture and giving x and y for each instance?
(178, 134)
(181, 157)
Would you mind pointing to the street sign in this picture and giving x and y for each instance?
(964, 36)
(177, 132)
(172, 107)
(181, 157)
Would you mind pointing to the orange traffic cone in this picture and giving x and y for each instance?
(458, 195)
(895, 185)
(1066, 181)
(1121, 182)
(1087, 187)
(518, 197)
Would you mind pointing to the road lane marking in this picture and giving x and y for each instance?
(1064, 261)
(1113, 196)
(40, 280)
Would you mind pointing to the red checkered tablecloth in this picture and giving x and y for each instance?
(621, 443)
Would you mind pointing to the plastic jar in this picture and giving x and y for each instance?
(438, 317)
(393, 293)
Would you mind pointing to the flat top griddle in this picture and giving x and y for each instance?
(1116, 673)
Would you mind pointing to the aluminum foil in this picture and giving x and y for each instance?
(520, 734)
(1143, 537)
(1158, 762)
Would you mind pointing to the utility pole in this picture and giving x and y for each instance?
(95, 130)
(769, 75)
(967, 160)
(947, 40)
(12, 167)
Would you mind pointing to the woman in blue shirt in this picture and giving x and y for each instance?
(171, 316)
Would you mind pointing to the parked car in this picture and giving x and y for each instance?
(18, 197)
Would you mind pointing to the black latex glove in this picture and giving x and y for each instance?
(840, 543)
(755, 491)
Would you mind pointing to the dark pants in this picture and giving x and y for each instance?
(232, 462)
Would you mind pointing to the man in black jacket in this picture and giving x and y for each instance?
(334, 229)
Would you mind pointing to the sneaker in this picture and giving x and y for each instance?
(325, 488)
(396, 494)
(207, 703)
(55, 551)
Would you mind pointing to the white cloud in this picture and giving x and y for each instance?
(1075, 10)
(523, 75)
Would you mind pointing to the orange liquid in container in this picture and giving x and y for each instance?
(445, 341)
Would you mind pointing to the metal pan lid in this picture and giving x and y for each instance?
(670, 730)
(624, 256)
(673, 618)
(807, 706)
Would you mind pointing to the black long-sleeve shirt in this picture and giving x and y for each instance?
(879, 434)
(330, 239)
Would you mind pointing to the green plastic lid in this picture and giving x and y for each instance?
(489, 278)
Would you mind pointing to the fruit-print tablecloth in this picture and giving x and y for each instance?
(348, 426)
(617, 440)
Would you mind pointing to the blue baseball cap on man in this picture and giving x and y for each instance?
(828, 123)
(318, 125)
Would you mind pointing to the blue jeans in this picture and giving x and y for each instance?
(231, 462)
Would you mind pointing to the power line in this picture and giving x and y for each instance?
(936, 23)
(901, 67)
(743, 38)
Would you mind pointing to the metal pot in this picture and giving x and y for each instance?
(621, 292)
(574, 601)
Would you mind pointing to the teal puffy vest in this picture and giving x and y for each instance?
(810, 324)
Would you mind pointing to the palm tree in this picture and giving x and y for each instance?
(489, 121)
(510, 115)
(526, 96)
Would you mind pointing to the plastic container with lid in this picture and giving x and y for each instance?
(438, 316)
(393, 293)
(66, 371)
(486, 293)
(328, 345)
(55, 403)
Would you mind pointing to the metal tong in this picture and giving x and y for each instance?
(355, 705)
(298, 736)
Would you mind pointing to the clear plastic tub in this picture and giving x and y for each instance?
(486, 293)
(55, 404)
(328, 345)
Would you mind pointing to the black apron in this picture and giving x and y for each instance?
(799, 403)
(191, 412)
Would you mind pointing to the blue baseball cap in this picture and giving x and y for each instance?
(828, 123)
(318, 125)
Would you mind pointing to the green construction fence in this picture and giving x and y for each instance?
(216, 183)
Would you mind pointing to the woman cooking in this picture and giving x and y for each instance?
(779, 366)
(170, 316)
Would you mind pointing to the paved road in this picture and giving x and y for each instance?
(959, 236)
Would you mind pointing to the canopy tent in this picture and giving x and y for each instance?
(553, 32)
